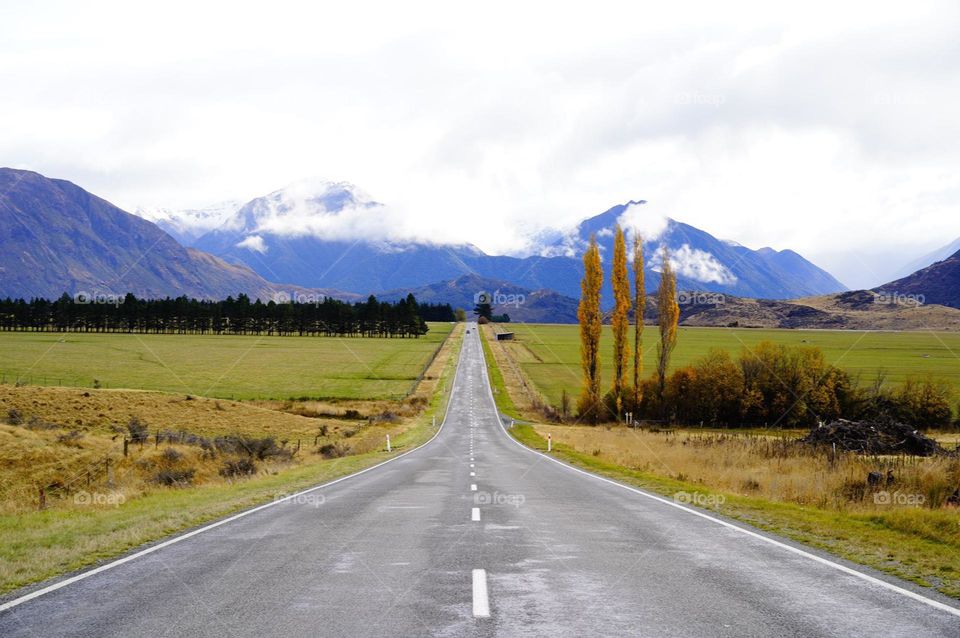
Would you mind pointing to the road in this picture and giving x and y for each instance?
(474, 535)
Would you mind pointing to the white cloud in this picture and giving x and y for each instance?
(646, 220)
(253, 242)
(696, 264)
(485, 130)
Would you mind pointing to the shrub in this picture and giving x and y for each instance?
(138, 430)
(175, 478)
(260, 449)
(333, 451)
(717, 389)
(14, 417)
(924, 403)
(241, 467)
(170, 455)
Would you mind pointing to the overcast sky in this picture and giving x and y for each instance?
(831, 128)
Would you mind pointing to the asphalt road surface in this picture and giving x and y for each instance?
(474, 535)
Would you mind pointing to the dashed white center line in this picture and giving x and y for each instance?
(473, 473)
(473, 487)
(481, 602)
(475, 514)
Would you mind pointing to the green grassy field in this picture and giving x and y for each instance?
(550, 354)
(237, 367)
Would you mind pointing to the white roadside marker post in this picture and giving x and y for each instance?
(388, 444)
(549, 443)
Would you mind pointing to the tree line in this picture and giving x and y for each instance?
(234, 316)
(770, 384)
(777, 385)
(623, 396)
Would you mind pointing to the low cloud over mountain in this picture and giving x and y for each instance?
(318, 233)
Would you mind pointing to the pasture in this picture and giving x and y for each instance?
(550, 354)
(224, 366)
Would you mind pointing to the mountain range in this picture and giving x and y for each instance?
(323, 239)
(318, 235)
(186, 226)
(57, 238)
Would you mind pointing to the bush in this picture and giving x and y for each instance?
(333, 451)
(138, 430)
(241, 467)
(779, 385)
(170, 455)
(14, 417)
(175, 478)
(717, 388)
(768, 384)
(924, 403)
(260, 449)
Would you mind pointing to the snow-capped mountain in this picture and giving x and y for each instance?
(317, 230)
(324, 234)
(186, 226)
(700, 260)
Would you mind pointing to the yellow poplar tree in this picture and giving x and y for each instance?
(620, 321)
(640, 303)
(668, 315)
(588, 312)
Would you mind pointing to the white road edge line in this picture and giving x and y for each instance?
(176, 539)
(475, 514)
(481, 601)
(936, 604)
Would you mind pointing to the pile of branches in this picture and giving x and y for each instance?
(873, 437)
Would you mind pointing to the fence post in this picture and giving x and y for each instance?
(126, 442)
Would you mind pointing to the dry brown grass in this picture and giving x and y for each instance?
(773, 468)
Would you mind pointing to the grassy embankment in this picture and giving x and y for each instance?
(769, 481)
(64, 432)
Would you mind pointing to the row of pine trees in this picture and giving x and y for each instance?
(240, 315)
(624, 394)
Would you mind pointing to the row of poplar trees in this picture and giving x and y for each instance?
(623, 396)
